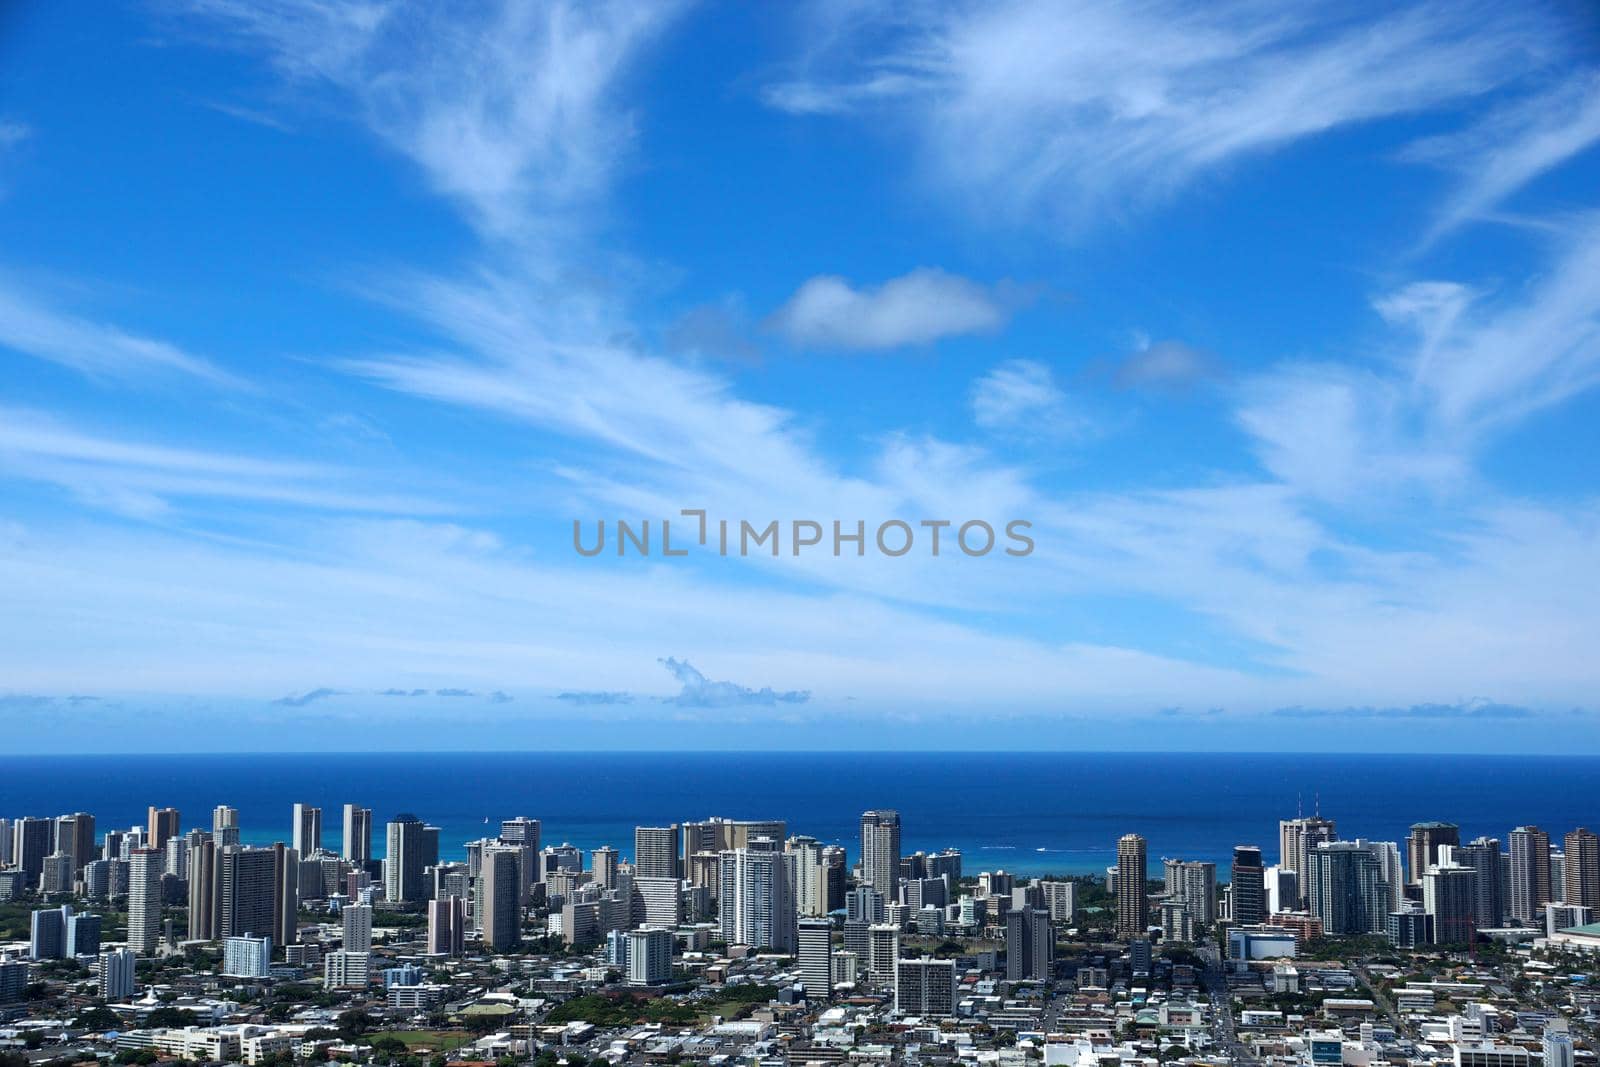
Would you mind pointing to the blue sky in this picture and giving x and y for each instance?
(320, 324)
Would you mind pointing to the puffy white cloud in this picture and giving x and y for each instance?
(914, 309)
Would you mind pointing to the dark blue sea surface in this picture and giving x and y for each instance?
(1025, 812)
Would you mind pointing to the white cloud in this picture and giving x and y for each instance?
(142, 480)
(1077, 109)
(34, 328)
(914, 309)
(1021, 397)
(506, 107)
(1516, 145)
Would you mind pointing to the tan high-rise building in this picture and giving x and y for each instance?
(1423, 844)
(163, 826)
(1133, 904)
(357, 845)
(880, 851)
(1581, 877)
(307, 830)
(1530, 873)
(447, 926)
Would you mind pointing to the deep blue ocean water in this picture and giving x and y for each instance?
(1025, 812)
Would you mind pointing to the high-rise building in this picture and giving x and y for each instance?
(1030, 945)
(224, 825)
(357, 927)
(1194, 883)
(655, 852)
(83, 935)
(1347, 890)
(246, 892)
(447, 923)
(659, 900)
(145, 867)
(115, 973)
(1061, 901)
(1530, 873)
(75, 837)
(1423, 844)
(247, 957)
(47, 933)
(286, 898)
(880, 851)
(756, 891)
(649, 956)
(1449, 896)
(55, 877)
(307, 826)
(1133, 912)
(1483, 856)
(603, 863)
(202, 887)
(925, 988)
(882, 952)
(815, 936)
(357, 842)
(1581, 874)
(163, 826)
(1297, 837)
(34, 839)
(346, 970)
(499, 898)
(405, 859)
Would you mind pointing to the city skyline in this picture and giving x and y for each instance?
(318, 345)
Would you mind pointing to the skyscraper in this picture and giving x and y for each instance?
(499, 898)
(1296, 838)
(202, 887)
(1530, 873)
(1449, 896)
(447, 922)
(1133, 905)
(655, 851)
(815, 938)
(357, 843)
(115, 975)
(145, 866)
(603, 865)
(1483, 856)
(756, 894)
(357, 927)
(246, 892)
(925, 988)
(1581, 875)
(75, 837)
(307, 826)
(1347, 890)
(224, 825)
(34, 840)
(1247, 886)
(880, 851)
(163, 825)
(1030, 945)
(1194, 882)
(1422, 846)
(404, 859)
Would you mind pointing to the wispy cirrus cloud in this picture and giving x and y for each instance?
(595, 698)
(141, 479)
(914, 309)
(1020, 396)
(33, 327)
(1078, 110)
(1515, 145)
(507, 108)
(1470, 709)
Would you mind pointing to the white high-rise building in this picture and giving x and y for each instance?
(357, 927)
(145, 867)
(115, 972)
(357, 844)
(307, 828)
(649, 956)
(247, 957)
(346, 970)
(756, 894)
